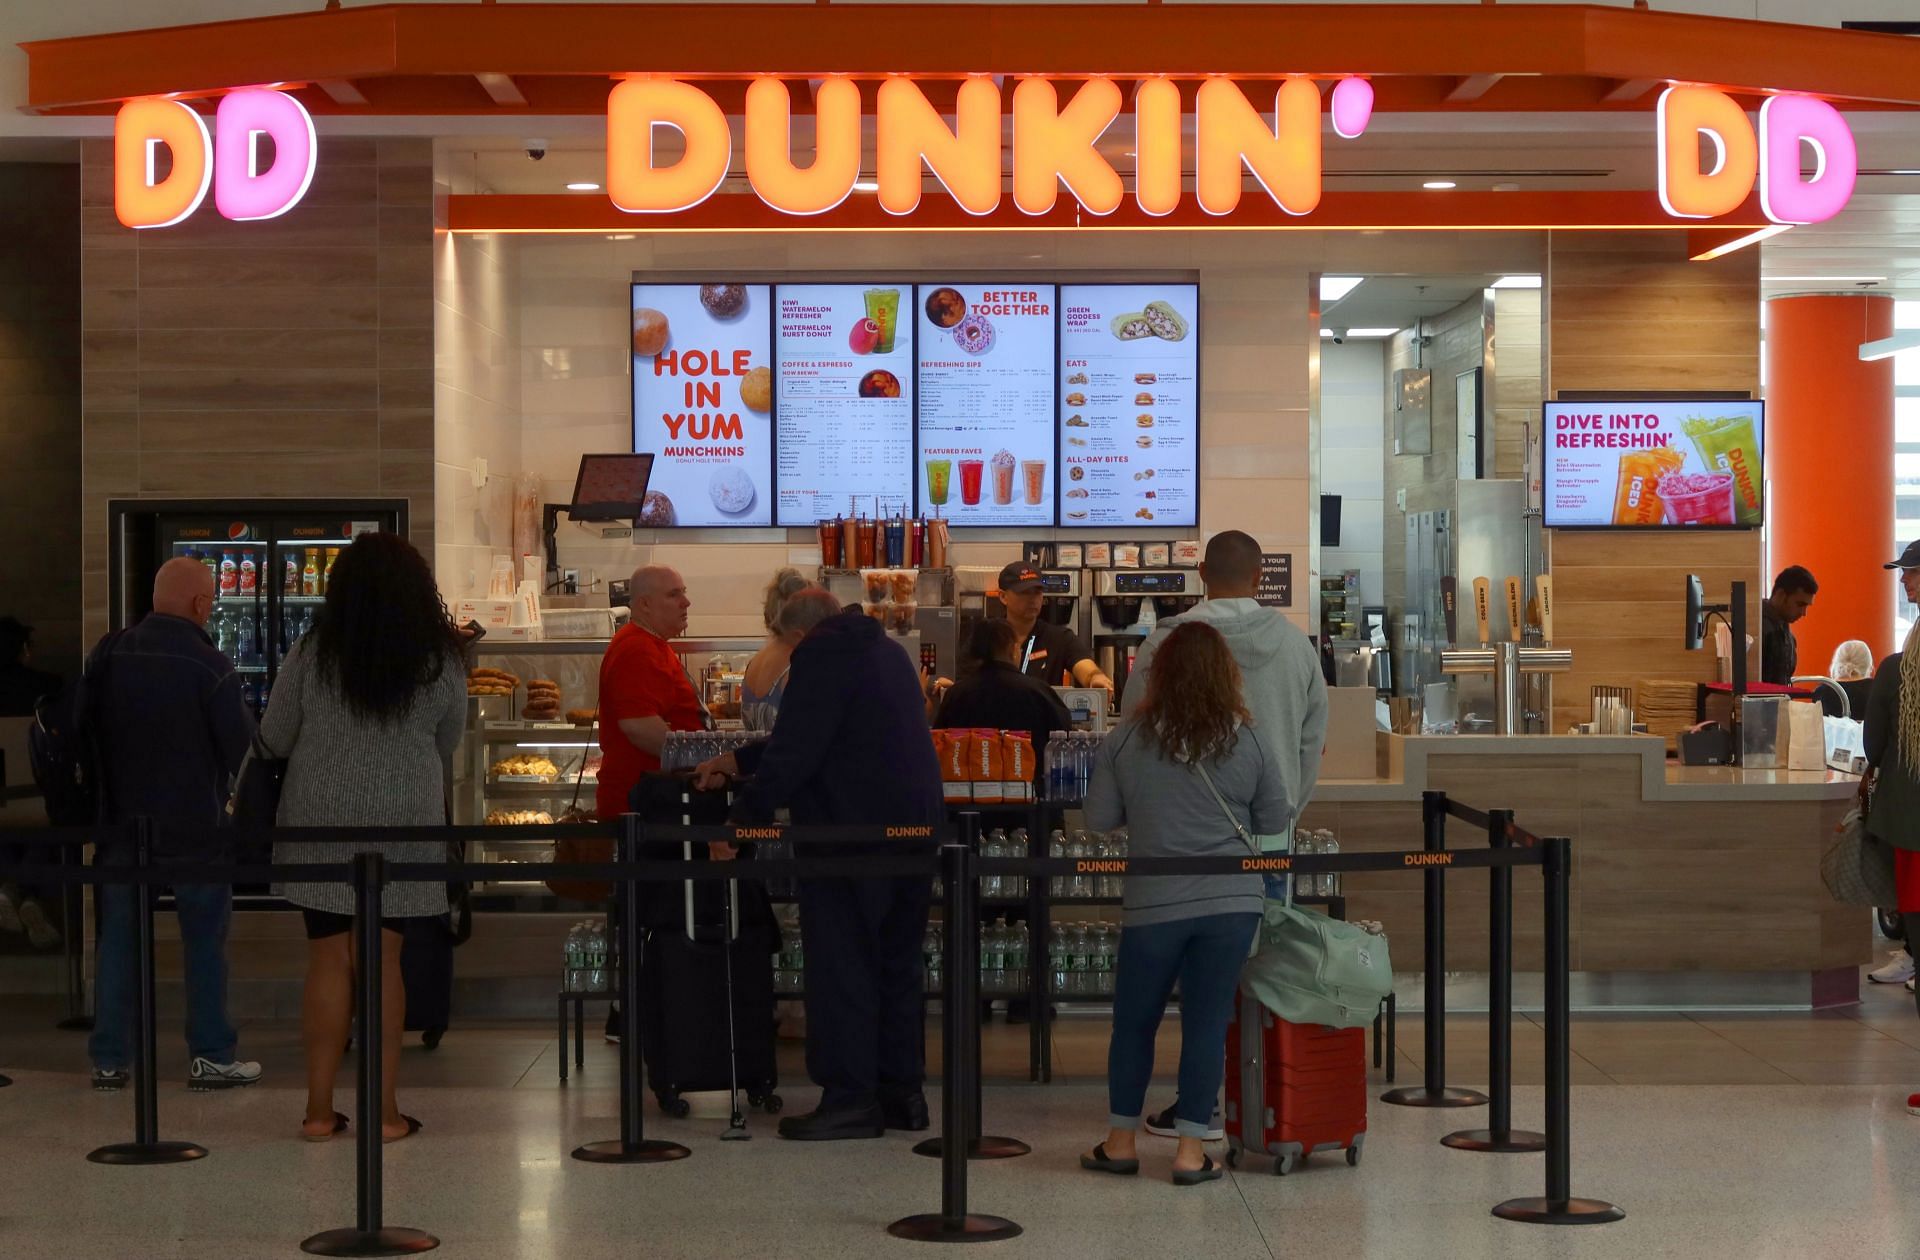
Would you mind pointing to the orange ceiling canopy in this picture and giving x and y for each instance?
(536, 59)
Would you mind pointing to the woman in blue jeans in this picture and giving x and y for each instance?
(1158, 775)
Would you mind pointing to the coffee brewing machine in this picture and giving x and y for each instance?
(1127, 605)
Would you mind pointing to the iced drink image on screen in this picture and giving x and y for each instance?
(1033, 477)
(1699, 498)
(883, 308)
(1636, 499)
(1729, 444)
(1003, 477)
(970, 481)
(939, 475)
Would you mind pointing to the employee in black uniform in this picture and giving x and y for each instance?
(1050, 653)
(997, 695)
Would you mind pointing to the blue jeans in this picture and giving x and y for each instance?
(1204, 955)
(205, 912)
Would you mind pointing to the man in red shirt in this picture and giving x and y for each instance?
(644, 689)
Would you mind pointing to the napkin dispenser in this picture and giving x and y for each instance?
(1763, 732)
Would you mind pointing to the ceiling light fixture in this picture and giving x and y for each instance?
(1516, 282)
(1333, 288)
(1371, 332)
(1326, 332)
(583, 186)
(1439, 185)
(1887, 347)
(1824, 279)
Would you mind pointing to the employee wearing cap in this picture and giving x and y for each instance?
(1049, 652)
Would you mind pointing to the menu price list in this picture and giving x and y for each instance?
(987, 385)
(845, 363)
(1129, 404)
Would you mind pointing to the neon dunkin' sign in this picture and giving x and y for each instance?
(1054, 144)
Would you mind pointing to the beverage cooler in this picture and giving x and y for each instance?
(269, 558)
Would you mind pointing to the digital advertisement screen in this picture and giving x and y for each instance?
(987, 360)
(703, 403)
(1655, 463)
(843, 356)
(1129, 404)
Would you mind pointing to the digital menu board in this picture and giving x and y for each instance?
(1652, 463)
(843, 356)
(986, 356)
(703, 403)
(1129, 404)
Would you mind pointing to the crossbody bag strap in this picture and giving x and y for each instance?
(1246, 837)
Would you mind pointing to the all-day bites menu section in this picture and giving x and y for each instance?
(843, 355)
(703, 402)
(1129, 404)
(1653, 463)
(986, 436)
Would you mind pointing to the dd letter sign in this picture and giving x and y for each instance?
(1276, 579)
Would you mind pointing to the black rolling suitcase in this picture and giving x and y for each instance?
(705, 942)
(426, 961)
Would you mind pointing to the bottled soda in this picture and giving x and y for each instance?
(229, 582)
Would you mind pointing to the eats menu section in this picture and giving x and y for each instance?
(986, 443)
(844, 358)
(1130, 406)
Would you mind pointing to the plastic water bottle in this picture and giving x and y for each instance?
(1303, 885)
(1122, 844)
(1103, 959)
(1058, 960)
(596, 956)
(994, 847)
(1080, 946)
(1329, 880)
(1057, 848)
(1020, 845)
(1080, 850)
(1018, 942)
(994, 950)
(570, 968)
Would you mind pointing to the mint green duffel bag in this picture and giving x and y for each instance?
(1308, 968)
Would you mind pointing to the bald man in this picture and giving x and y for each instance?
(171, 730)
(644, 689)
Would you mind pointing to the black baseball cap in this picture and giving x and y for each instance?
(1909, 559)
(1021, 578)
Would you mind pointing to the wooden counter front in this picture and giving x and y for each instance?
(1675, 869)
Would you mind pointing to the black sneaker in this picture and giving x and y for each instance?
(110, 1080)
(1162, 1125)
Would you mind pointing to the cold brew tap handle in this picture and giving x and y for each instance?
(1543, 588)
(1482, 607)
(1448, 600)
(1516, 623)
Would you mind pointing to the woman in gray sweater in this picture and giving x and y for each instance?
(367, 711)
(1153, 777)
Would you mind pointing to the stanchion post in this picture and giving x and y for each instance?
(1499, 1136)
(73, 947)
(146, 1147)
(954, 1009)
(1435, 1093)
(1558, 1206)
(369, 1236)
(959, 1025)
(632, 1146)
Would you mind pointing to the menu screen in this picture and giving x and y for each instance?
(1646, 464)
(703, 403)
(986, 438)
(1130, 404)
(843, 355)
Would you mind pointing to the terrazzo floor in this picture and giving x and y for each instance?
(1739, 1136)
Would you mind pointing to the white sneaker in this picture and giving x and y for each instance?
(205, 1075)
(1898, 969)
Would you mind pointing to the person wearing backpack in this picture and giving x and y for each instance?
(1185, 774)
(169, 729)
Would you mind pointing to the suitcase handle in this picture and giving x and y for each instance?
(733, 885)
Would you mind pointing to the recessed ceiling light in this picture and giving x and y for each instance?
(1371, 332)
(623, 236)
(866, 185)
(1439, 184)
(1333, 288)
(1517, 282)
(583, 186)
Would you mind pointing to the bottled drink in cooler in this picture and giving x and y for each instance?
(1057, 848)
(1329, 882)
(246, 651)
(290, 584)
(310, 573)
(1057, 958)
(326, 570)
(249, 575)
(229, 575)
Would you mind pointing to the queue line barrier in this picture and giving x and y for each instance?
(960, 868)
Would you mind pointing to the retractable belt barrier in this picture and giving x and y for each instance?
(947, 850)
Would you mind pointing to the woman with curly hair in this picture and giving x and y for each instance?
(1170, 774)
(367, 711)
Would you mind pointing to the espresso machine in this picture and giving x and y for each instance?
(1127, 605)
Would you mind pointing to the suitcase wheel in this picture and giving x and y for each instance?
(1233, 1157)
(675, 1106)
(769, 1103)
(1282, 1165)
(1353, 1157)
(431, 1038)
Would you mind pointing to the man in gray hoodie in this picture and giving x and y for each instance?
(1280, 680)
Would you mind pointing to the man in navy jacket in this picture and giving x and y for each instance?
(851, 746)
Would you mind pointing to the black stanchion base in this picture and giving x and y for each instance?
(971, 1228)
(984, 1148)
(1509, 1142)
(1421, 1096)
(147, 1153)
(1559, 1211)
(391, 1241)
(618, 1152)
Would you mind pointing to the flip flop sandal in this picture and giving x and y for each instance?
(339, 1127)
(1099, 1162)
(413, 1127)
(1208, 1171)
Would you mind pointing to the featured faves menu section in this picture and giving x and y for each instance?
(987, 362)
(844, 389)
(703, 402)
(1130, 404)
(1653, 463)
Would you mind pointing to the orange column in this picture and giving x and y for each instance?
(1829, 453)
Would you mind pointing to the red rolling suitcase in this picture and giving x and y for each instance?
(1293, 1089)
